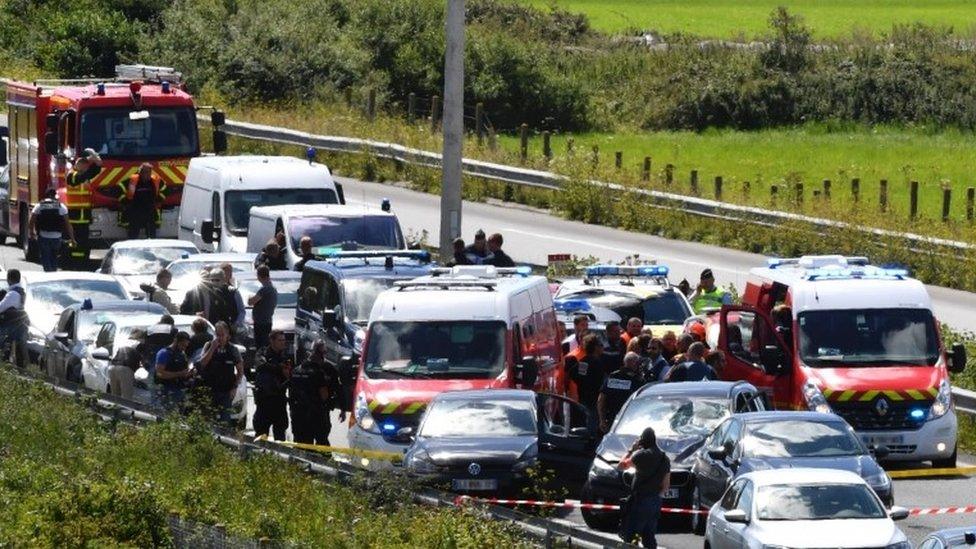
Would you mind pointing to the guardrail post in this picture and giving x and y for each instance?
(856, 189)
(816, 195)
(371, 105)
(746, 189)
(411, 107)
(694, 182)
(618, 159)
(221, 533)
(479, 126)
(798, 189)
(546, 145)
(669, 174)
(569, 146)
(946, 200)
(646, 174)
(718, 187)
(826, 189)
(773, 193)
(913, 200)
(435, 111)
(970, 199)
(524, 142)
(264, 542)
(596, 155)
(883, 195)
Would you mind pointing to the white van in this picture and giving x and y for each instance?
(220, 191)
(328, 225)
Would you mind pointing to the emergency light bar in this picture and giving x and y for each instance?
(481, 271)
(571, 305)
(148, 73)
(816, 261)
(868, 272)
(595, 271)
(422, 256)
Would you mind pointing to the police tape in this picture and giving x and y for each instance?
(938, 472)
(574, 504)
(370, 454)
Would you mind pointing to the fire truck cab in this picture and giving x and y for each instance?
(144, 115)
(836, 334)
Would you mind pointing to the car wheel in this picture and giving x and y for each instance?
(947, 463)
(697, 519)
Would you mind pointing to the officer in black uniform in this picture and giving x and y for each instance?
(617, 388)
(47, 225)
(273, 368)
(312, 392)
(221, 368)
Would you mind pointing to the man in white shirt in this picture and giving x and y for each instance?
(49, 221)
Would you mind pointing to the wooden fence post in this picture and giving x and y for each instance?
(856, 189)
(946, 201)
(746, 189)
(970, 199)
(371, 105)
(596, 155)
(883, 195)
(913, 200)
(694, 182)
(411, 106)
(826, 189)
(773, 193)
(646, 174)
(479, 125)
(798, 188)
(669, 174)
(569, 146)
(524, 141)
(492, 139)
(718, 187)
(618, 159)
(435, 111)
(546, 145)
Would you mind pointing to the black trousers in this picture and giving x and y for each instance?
(310, 426)
(270, 413)
(138, 225)
(261, 333)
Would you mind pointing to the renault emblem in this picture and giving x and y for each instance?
(882, 407)
(474, 469)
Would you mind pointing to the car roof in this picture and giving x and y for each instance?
(222, 257)
(275, 275)
(803, 475)
(306, 210)
(487, 394)
(693, 388)
(783, 415)
(153, 243)
(121, 305)
(41, 276)
(371, 268)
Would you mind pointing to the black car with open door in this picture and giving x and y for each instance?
(501, 442)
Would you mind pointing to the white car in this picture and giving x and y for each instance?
(187, 271)
(801, 508)
(137, 262)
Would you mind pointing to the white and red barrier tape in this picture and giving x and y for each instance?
(574, 504)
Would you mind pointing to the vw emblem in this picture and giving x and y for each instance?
(474, 469)
(882, 407)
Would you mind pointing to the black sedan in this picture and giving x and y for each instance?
(778, 440)
(501, 442)
(682, 415)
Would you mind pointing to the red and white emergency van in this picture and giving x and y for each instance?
(834, 333)
(471, 327)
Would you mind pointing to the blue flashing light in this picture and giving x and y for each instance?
(653, 270)
(774, 262)
(100, 88)
(165, 86)
(602, 270)
(310, 154)
(523, 270)
(867, 272)
(917, 413)
(571, 305)
(389, 428)
(86, 305)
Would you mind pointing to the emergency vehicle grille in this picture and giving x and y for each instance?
(866, 416)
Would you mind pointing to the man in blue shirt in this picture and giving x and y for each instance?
(172, 372)
(694, 368)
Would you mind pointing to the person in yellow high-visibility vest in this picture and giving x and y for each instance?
(707, 295)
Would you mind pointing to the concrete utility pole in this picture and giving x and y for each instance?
(453, 128)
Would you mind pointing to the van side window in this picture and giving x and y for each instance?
(215, 209)
(310, 290)
(748, 334)
(330, 293)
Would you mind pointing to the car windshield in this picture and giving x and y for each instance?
(794, 438)
(359, 294)
(376, 232)
(817, 502)
(481, 418)
(166, 133)
(672, 416)
(89, 322)
(186, 274)
(870, 337)
(48, 299)
(287, 290)
(238, 204)
(451, 349)
(145, 261)
(655, 309)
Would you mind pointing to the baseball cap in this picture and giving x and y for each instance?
(697, 331)
(707, 273)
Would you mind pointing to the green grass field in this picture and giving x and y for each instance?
(748, 18)
(809, 154)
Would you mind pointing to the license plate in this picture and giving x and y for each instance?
(474, 484)
(672, 493)
(882, 439)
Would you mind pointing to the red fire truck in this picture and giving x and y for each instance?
(144, 115)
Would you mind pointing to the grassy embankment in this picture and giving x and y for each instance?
(735, 19)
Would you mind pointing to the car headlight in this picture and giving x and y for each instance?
(363, 417)
(899, 545)
(602, 470)
(815, 399)
(421, 463)
(527, 460)
(943, 401)
(881, 480)
(357, 341)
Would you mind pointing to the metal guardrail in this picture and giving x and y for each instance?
(964, 400)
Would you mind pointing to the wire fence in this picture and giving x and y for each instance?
(189, 534)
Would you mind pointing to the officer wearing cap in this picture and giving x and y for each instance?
(313, 392)
(47, 225)
(707, 295)
(617, 388)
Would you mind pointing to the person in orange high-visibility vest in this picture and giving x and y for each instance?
(141, 201)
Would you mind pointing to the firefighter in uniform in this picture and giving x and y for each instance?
(312, 393)
(141, 199)
(617, 388)
(47, 225)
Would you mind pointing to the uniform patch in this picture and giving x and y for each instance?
(619, 384)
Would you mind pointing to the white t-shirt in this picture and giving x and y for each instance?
(63, 210)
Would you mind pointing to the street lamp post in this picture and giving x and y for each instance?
(453, 127)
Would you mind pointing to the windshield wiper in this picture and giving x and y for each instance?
(401, 373)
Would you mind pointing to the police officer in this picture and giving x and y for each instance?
(588, 375)
(312, 392)
(173, 371)
(13, 318)
(617, 388)
(221, 368)
(48, 223)
(273, 368)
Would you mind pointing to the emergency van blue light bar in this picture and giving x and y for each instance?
(869, 272)
(571, 305)
(594, 271)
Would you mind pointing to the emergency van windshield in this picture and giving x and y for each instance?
(168, 132)
(238, 204)
(359, 294)
(379, 232)
(869, 337)
(445, 349)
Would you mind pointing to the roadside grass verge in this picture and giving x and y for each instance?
(68, 479)
(735, 19)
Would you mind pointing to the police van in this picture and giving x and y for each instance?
(471, 327)
(837, 334)
(221, 190)
(332, 227)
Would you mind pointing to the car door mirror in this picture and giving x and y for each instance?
(957, 358)
(527, 371)
(208, 232)
(898, 513)
(101, 353)
(771, 357)
(62, 337)
(737, 516)
(405, 434)
(881, 452)
(717, 453)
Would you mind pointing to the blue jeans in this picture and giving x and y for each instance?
(221, 401)
(170, 397)
(642, 520)
(49, 250)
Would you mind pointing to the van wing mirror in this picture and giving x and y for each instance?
(330, 318)
(771, 357)
(527, 371)
(957, 358)
(208, 232)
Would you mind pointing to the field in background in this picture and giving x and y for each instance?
(746, 19)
